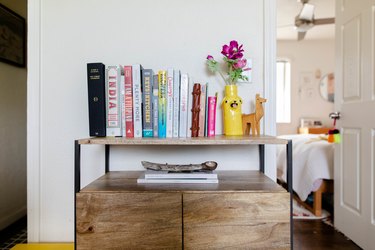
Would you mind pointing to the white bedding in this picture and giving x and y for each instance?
(312, 162)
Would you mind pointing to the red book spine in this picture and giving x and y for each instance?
(129, 122)
(211, 120)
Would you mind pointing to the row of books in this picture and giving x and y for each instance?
(151, 176)
(131, 101)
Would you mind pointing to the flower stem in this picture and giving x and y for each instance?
(221, 74)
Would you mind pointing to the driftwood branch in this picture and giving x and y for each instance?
(205, 166)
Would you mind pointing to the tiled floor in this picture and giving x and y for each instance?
(14, 234)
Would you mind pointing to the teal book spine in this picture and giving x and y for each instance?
(147, 82)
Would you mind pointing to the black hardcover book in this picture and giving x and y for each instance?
(96, 96)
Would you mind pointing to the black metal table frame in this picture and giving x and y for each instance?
(289, 175)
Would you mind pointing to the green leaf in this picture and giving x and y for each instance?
(213, 66)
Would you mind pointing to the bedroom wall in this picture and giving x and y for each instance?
(157, 34)
(12, 134)
(306, 58)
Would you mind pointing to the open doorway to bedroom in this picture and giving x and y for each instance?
(305, 87)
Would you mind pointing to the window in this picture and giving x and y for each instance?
(283, 98)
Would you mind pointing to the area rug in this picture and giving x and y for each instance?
(299, 212)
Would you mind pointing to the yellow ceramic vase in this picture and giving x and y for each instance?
(232, 111)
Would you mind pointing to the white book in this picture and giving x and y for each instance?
(169, 121)
(137, 100)
(184, 90)
(113, 103)
(176, 103)
(166, 181)
(202, 112)
(151, 174)
(190, 106)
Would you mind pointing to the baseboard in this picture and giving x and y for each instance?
(7, 220)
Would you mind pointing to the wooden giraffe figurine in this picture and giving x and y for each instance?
(253, 120)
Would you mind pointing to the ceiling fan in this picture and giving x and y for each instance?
(305, 19)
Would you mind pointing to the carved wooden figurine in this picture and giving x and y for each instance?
(195, 110)
(205, 166)
(253, 120)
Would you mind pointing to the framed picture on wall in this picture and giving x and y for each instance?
(12, 37)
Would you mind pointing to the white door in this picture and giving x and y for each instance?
(355, 98)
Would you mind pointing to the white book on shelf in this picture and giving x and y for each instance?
(181, 181)
(189, 107)
(176, 103)
(152, 174)
(169, 103)
(113, 102)
(137, 99)
(202, 112)
(184, 90)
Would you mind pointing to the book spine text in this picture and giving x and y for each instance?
(96, 98)
(147, 82)
(137, 99)
(162, 126)
(113, 75)
(129, 124)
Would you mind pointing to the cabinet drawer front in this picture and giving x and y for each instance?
(256, 236)
(236, 220)
(128, 220)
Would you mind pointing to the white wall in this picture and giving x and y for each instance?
(13, 135)
(65, 35)
(306, 57)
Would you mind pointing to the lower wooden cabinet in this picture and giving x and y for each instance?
(236, 220)
(129, 221)
(124, 215)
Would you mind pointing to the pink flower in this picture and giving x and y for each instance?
(240, 64)
(234, 62)
(232, 51)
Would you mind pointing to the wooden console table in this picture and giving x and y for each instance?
(245, 209)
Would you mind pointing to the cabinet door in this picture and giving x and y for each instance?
(236, 220)
(129, 221)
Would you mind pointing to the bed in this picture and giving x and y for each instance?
(312, 167)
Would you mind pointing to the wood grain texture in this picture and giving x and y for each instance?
(235, 208)
(256, 236)
(216, 140)
(237, 220)
(229, 181)
(129, 221)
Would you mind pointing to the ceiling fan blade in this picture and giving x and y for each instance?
(301, 35)
(307, 12)
(322, 21)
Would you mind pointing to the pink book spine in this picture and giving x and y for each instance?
(211, 120)
(129, 122)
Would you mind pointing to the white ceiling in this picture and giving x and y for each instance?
(287, 10)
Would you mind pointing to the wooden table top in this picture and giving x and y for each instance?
(215, 140)
(229, 181)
